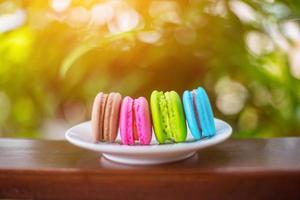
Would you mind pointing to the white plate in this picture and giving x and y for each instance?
(80, 135)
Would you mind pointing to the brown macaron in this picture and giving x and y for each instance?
(105, 116)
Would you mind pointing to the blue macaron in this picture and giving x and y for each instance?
(199, 113)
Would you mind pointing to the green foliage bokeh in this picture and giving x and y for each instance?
(54, 63)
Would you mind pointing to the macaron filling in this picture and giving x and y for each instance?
(193, 95)
(165, 119)
(130, 114)
(137, 122)
(171, 115)
(103, 100)
(107, 111)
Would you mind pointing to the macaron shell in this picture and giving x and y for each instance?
(143, 120)
(178, 120)
(157, 116)
(205, 113)
(126, 121)
(111, 117)
(98, 116)
(188, 104)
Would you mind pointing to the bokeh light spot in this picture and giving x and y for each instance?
(243, 11)
(294, 61)
(231, 96)
(78, 17)
(259, 43)
(124, 20)
(102, 13)
(12, 20)
(277, 37)
(292, 31)
(150, 37)
(218, 8)
(166, 11)
(60, 5)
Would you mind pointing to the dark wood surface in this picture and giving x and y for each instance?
(235, 169)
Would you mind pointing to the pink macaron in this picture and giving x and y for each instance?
(135, 121)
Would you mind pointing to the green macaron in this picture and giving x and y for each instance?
(168, 117)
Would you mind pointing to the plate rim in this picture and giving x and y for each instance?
(148, 149)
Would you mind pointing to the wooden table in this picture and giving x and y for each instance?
(235, 169)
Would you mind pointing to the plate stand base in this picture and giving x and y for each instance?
(147, 160)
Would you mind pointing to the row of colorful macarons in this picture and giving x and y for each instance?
(168, 115)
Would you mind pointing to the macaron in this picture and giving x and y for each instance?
(199, 113)
(135, 121)
(105, 116)
(168, 117)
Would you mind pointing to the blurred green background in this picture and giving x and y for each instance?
(56, 55)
